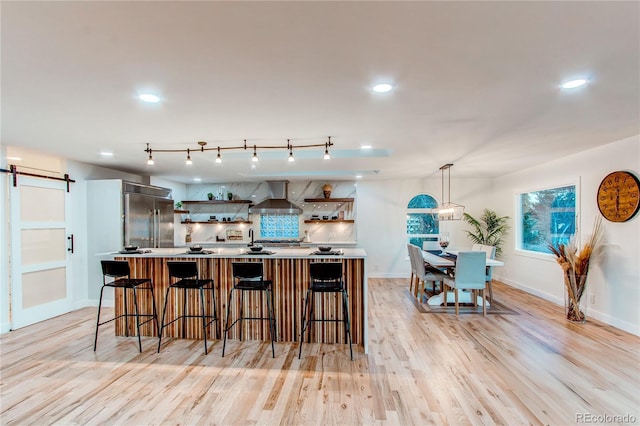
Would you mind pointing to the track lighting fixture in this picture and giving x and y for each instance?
(326, 150)
(254, 157)
(291, 159)
(150, 159)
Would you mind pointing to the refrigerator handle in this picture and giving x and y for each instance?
(156, 226)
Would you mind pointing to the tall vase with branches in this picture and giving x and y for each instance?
(489, 229)
(575, 265)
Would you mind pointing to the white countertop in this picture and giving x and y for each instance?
(225, 252)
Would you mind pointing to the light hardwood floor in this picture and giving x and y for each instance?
(423, 368)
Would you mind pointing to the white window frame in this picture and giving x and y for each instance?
(517, 244)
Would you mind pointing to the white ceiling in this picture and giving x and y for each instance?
(477, 84)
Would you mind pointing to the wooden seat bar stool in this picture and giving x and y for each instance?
(326, 277)
(121, 274)
(187, 278)
(249, 276)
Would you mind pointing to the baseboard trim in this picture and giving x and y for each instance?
(591, 312)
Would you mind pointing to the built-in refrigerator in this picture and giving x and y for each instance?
(148, 216)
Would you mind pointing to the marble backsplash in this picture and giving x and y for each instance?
(237, 218)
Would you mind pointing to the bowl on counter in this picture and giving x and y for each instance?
(131, 248)
(195, 248)
(255, 248)
(324, 248)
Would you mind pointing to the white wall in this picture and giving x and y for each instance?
(4, 247)
(614, 279)
(382, 218)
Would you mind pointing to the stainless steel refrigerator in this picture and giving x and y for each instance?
(148, 216)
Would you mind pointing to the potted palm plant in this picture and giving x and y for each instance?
(489, 229)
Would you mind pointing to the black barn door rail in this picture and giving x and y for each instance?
(14, 171)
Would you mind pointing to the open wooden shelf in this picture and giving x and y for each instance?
(329, 221)
(217, 202)
(328, 200)
(215, 222)
(181, 211)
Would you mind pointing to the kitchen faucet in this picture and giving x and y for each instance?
(251, 236)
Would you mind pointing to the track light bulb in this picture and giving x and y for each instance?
(254, 157)
(188, 162)
(291, 159)
(150, 159)
(218, 158)
(326, 153)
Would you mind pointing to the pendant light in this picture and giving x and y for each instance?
(449, 210)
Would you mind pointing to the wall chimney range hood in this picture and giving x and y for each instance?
(277, 202)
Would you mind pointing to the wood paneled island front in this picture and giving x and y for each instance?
(288, 268)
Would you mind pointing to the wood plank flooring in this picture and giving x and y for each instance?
(423, 368)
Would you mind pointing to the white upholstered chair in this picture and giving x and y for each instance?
(424, 273)
(470, 275)
(490, 252)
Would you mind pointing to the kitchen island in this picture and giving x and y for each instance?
(288, 268)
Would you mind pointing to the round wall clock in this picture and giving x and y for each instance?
(619, 196)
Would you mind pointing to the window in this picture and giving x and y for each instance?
(422, 223)
(279, 226)
(547, 216)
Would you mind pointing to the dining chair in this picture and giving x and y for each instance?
(424, 273)
(413, 266)
(491, 254)
(469, 275)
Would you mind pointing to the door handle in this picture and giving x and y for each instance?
(70, 238)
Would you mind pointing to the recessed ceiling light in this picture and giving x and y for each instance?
(574, 83)
(366, 147)
(14, 158)
(358, 176)
(382, 87)
(197, 180)
(148, 97)
(106, 154)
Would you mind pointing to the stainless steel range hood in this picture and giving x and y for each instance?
(277, 202)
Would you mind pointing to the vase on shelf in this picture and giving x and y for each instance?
(210, 196)
(326, 190)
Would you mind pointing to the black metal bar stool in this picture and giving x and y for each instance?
(326, 277)
(249, 276)
(121, 274)
(187, 277)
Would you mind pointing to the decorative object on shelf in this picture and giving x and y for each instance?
(619, 196)
(210, 196)
(449, 210)
(253, 148)
(179, 205)
(229, 196)
(326, 190)
(234, 235)
(489, 229)
(575, 265)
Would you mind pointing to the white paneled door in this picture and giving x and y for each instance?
(41, 246)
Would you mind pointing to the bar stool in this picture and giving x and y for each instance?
(187, 277)
(120, 272)
(249, 276)
(326, 277)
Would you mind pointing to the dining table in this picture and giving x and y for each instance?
(446, 260)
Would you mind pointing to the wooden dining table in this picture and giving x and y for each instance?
(447, 260)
